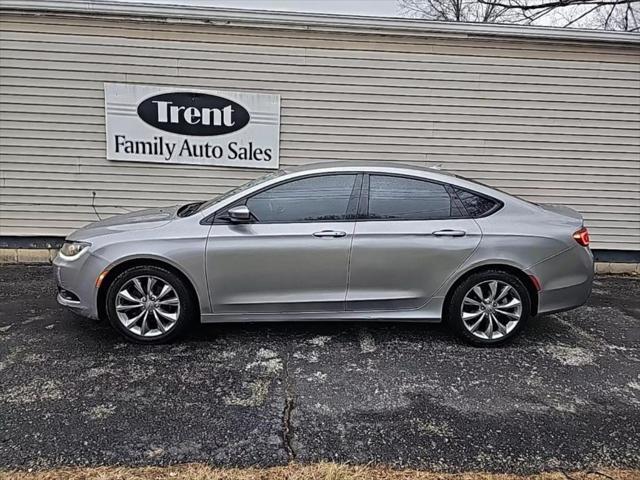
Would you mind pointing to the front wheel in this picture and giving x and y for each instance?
(148, 304)
(489, 308)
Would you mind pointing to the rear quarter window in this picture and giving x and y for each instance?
(476, 205)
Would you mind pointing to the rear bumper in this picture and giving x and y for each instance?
(566, 280)
(562, 299)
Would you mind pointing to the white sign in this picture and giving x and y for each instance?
(201, 127)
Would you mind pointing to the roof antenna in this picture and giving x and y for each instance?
(438, 166)
(93, 205)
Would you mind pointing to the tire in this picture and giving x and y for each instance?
(177, 302)
(503, 329)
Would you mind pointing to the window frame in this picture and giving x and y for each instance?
(363, 209)
(220, 217)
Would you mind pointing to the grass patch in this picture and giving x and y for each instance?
(320, 471)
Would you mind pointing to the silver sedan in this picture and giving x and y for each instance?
(342, 241)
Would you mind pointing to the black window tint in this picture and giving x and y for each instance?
(313, 199)
(475, 205)
(404, 198)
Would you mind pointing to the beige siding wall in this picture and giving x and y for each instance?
(551, 122)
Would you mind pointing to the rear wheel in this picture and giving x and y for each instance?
(489, 308)
(148, 304)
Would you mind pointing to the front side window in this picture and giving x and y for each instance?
(402, 198)
(313, 199)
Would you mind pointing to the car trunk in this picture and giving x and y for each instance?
(563, 211)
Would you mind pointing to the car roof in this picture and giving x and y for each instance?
(364, 165)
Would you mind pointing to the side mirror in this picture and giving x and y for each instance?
(239, 213)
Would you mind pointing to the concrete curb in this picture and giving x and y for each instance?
(9, 256)
(617, 268)
(27, 255)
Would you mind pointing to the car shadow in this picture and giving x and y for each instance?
(540, 330)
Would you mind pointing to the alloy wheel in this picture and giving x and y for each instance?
(491, 309)
(147, 306)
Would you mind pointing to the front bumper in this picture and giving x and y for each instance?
(66, 302)
(566, 280)
(78, 278)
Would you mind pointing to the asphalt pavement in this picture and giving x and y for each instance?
(564, 395)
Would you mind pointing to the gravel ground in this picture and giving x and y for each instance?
(564, 395)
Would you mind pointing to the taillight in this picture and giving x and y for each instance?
(582, 236)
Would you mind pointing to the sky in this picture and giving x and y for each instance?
(380, 8)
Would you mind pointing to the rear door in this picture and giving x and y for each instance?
(293, 255)
(411, 235)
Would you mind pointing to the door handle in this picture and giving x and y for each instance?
(329, 233)
(449, 233)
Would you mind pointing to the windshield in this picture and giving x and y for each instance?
(241, 188)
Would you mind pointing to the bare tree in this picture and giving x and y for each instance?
(603, 14)
(620, 17)
(458, 11)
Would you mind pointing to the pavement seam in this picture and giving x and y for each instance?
(287, 429)
(595, 472)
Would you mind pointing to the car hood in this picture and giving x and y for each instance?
(140, 220)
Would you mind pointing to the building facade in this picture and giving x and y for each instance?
(547, 114)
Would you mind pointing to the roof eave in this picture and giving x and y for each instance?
(310, 21)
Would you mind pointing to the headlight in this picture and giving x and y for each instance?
(72, 250)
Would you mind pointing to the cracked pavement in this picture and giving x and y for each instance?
(564, 395)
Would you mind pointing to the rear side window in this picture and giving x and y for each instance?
(403, 198)
(312, 199)
(475, 205)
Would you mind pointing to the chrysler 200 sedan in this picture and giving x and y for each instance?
(340, 241)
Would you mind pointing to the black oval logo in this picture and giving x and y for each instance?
(189, 113)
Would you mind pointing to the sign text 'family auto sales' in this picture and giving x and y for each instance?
(202, 127)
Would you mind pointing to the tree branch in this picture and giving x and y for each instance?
(607, 14)
(606, 22)
(583, 15)
(558, 3)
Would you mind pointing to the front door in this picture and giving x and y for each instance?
(293, 255)
(411, 238)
